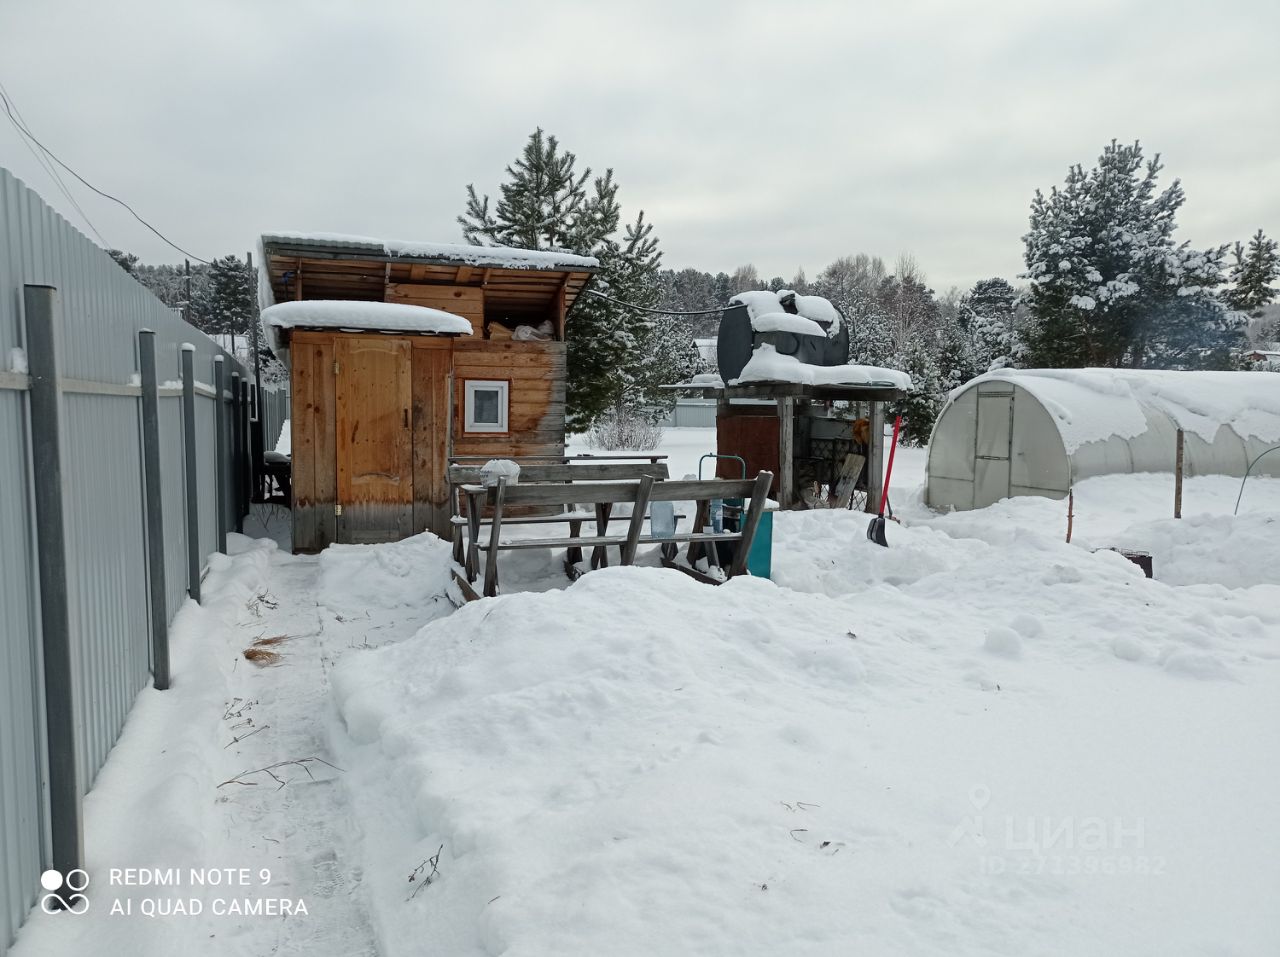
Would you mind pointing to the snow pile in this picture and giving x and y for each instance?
(412, 574)
(1092, 405)
(762, 303)
(494, 469)
(361, 316)
(501, 256)
(768, 365)
(786, 322)
(639, 764)
(1237, 552)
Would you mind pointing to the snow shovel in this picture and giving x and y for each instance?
(875, 531)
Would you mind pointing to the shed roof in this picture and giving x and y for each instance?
(517, 282)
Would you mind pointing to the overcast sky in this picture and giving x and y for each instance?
(783, 135)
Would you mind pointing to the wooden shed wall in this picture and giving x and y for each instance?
(536, 371)
(314, 417)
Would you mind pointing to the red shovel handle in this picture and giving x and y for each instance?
(888, 473)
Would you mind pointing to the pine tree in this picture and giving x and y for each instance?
(1107, 277)
(126, 261)
(231, 305)
(1252, 274)
(614, 356)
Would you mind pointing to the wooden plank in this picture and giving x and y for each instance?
(637, 520)
(374, 437)
(491, 565)
(691, 572)
(848, 480)
(601, 541)
(677, 490)
(577, 472)
(751, 523)
(431, 440)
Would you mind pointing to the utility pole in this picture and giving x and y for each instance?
(186, 306)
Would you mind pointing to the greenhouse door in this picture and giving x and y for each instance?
(992, 444)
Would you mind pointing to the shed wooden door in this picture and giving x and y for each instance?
(374, 438)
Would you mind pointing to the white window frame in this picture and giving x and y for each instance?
(470, 387)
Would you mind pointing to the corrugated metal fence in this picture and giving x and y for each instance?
(691, 413)
(58, 721)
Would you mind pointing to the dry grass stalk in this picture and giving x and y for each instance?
(274, 640)
(262, 656)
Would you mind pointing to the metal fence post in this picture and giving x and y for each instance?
(220, 449)
(237, 453)
(189, 447)
(66, 825)
(154, 498)
(246, 442)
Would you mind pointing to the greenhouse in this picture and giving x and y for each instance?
(1037, 431)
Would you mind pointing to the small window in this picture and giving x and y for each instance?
(486, 405)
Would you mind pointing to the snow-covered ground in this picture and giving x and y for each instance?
(981, 740)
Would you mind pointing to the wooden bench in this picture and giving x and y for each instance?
(575, 470)
(603, 496)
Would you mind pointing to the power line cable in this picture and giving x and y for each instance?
(20, 125)
(114, 199)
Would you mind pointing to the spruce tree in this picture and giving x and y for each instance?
(987, 315)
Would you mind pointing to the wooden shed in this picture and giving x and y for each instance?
(402, 355)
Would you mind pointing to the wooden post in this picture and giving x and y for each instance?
(875, 456)
(1177, 478)
(220, 449)
(1071, 513)
(637, 520)
(786, 450)
(495, 538)
(751, 523)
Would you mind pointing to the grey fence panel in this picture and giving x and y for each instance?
(175, 507)
(22, 850)
(107, 578)
(691, 413)
(100, 310)
(206, 470)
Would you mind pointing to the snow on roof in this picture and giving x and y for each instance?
(500, 256)
(370, 316)
(786, 322)
(763, 302)
(767, 365)
(1091, 405)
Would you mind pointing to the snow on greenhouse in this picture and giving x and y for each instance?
(1037, 431)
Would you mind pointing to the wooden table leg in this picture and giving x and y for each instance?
(600, 554)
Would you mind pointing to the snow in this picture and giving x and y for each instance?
(495, 469)
(350, 314)
(815, 308)
(768, 365)
(786, 322)
(284, 444)
(1094, 404)
(762, 302)
(503, 256)
(707, 379)
(980, 740)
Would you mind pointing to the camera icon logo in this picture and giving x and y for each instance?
(72, 885)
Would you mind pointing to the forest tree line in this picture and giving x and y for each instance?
(1106, 284)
